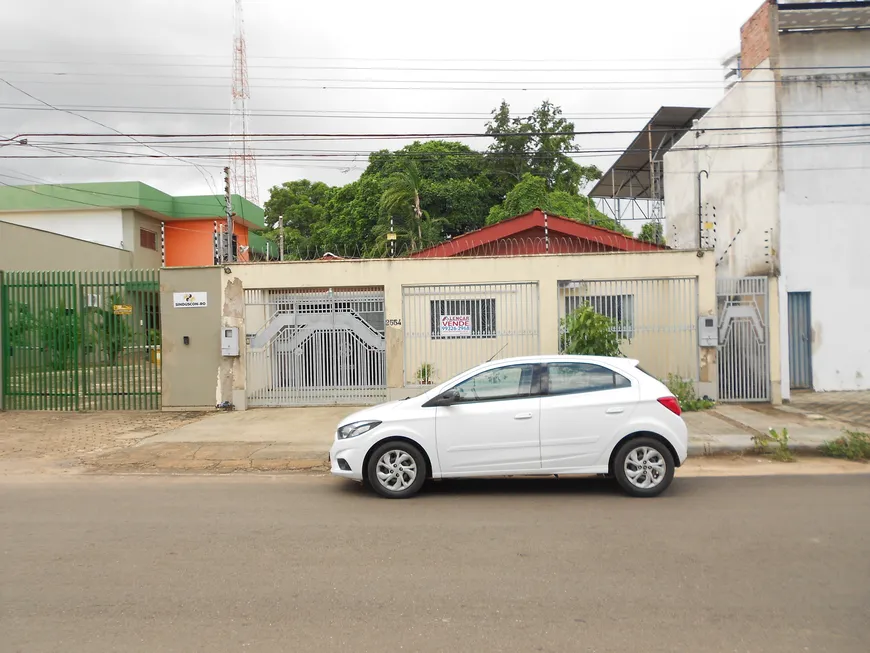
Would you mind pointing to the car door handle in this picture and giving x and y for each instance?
(615, 410)
(523, 416)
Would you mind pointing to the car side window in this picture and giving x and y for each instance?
(570, 378)
(512, 382)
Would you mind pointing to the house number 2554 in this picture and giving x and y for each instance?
(394, 323)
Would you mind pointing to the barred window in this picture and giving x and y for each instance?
(619, 308)
(462, 318)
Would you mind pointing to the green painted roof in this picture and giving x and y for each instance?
(127, 195)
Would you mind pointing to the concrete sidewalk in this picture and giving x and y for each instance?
(300, 438)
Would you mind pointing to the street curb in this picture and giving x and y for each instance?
(719, 448)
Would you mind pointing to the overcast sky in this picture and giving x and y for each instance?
(421, 67)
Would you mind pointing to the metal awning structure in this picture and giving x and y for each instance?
(631, 177)
(812, 16)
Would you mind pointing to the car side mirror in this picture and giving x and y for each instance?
(447, 399)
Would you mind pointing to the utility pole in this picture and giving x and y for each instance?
(229, 204)
(281, 237)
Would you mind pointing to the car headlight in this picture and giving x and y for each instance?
(356, 428)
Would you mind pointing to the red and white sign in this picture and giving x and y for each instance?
(455, 325)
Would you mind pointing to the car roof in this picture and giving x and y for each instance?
(623, 363)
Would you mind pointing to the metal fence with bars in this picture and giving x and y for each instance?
(80, 340)
(655, 319)
(315, 347)
(744, 365)
(451, 328)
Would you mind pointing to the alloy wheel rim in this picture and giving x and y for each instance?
(644, 467)
(396, 470)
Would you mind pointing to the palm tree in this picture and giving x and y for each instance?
(401, 199)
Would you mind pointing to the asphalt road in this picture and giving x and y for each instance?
(310, 564)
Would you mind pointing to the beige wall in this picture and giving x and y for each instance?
(739, 193)
(25, 248)
(143, 258)
(191, 373)
(393, 275)
(101, 226)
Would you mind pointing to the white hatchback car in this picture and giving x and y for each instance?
(541, 415)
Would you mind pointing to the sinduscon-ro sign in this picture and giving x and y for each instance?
(189, 299)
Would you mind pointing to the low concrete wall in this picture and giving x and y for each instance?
(192, 373)
(27, 249)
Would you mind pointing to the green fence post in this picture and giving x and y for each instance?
(4, 340)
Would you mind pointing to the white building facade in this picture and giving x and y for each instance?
(775, 180)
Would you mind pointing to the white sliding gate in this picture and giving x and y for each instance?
(316, 347)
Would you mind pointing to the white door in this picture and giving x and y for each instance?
(582, 409)
(494, 426)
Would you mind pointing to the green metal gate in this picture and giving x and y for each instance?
(80, 340)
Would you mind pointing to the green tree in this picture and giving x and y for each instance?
(401, 201)
(652, 232)
(303, 205)
(21, 323)
(540, 144)
(531, 193)
(353, 212)
(454, 181)
(112, 331)
(59, 334)
(585, 332)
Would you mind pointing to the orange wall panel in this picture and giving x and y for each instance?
(191, 242)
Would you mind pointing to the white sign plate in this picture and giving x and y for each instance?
(189, 299)
(455, 325)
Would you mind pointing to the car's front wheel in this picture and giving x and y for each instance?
(643, 467)
(396, 470)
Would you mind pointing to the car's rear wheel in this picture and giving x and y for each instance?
(396, 470)
(643, 467)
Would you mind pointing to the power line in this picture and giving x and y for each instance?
(314, 155)
(715, 70)
(201, 170)
(188, 55)
(398, 85)
(395, 115)
(92, 192)
(442, 135)
(76, 146)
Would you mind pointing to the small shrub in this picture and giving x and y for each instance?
(588, 333)
(852, 445)
(781, 453)
(425, 374)
(761, 443)
(684, 391)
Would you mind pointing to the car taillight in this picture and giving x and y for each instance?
(671, 404)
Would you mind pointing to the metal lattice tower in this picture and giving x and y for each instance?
(243, 165)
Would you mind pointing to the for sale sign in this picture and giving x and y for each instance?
(455, 325)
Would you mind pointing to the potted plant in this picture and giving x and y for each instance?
(154, 341)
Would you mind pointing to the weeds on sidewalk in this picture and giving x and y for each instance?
(778, 439)
(684, 391)
(852, 445)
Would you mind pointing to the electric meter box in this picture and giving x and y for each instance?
(229, 341)
(708, 331)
